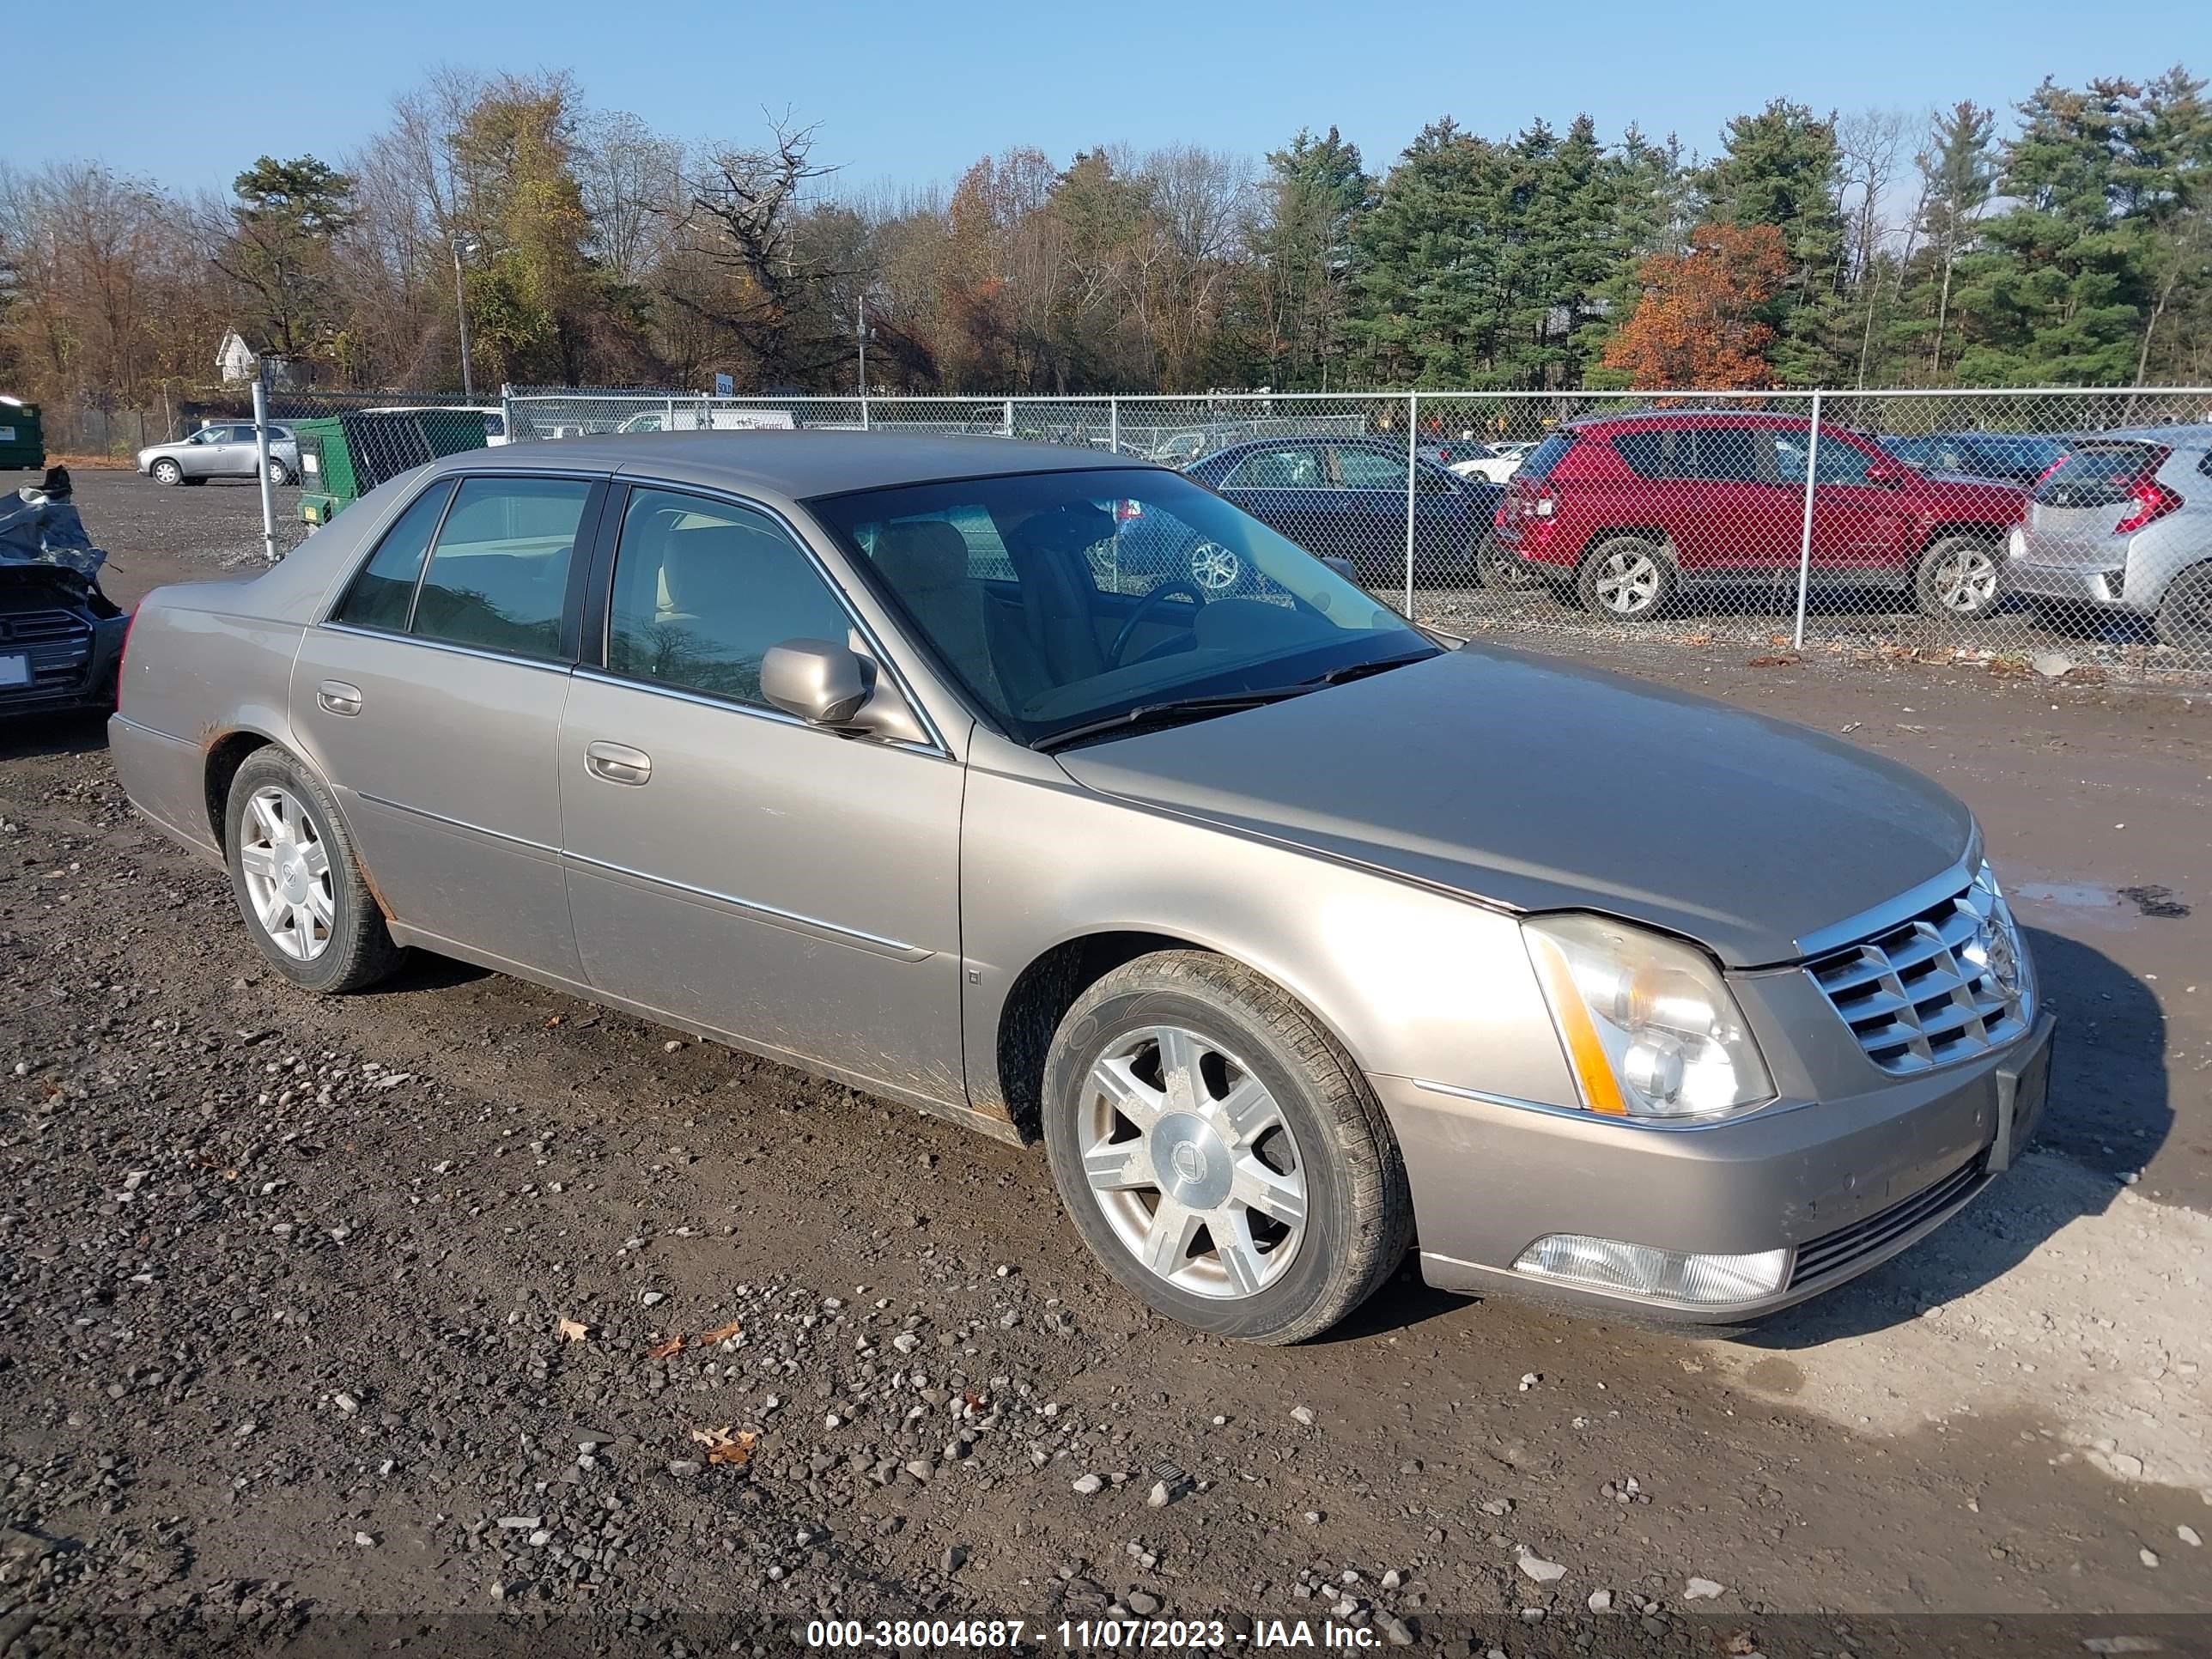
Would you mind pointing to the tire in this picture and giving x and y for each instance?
(1333, 1217)
(2185, 614)
(326, 932)
(1626, 579)
(1958, 578)
(166, 471)
(279, 474)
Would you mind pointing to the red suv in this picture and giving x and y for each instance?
(1621, 511)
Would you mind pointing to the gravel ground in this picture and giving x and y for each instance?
(465, 1299)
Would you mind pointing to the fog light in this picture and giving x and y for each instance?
(1608, 1264)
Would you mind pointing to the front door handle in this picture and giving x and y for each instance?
(336, 697)
(618, 762)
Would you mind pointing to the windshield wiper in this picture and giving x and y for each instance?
(1152, 713)
(1360, 670)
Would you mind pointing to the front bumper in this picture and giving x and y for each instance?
(1843, 1184)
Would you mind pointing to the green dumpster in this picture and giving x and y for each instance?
(343, 456)
(23, 444)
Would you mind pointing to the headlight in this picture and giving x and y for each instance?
(1649, 1028)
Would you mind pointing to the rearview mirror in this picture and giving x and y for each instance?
(820, 681)
(1342, 566)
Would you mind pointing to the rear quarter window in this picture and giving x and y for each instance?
(1648, 454)
(1546, 456)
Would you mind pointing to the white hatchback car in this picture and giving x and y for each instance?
(2125, 523)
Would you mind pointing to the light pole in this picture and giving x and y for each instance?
(464, 244)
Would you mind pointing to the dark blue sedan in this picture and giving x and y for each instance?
(1337, 497)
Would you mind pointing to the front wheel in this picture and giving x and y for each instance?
(166, 471)
(1957, 578)
(1217, 1152)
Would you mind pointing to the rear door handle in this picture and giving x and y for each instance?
(618, 762)
(336, 697)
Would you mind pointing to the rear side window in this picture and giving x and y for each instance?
(1727, 453)
(384, 592)
(1648, 454)
(2097, 474)
(499, 576)
(1371, 469)
(1544, 457)
(1277, 469)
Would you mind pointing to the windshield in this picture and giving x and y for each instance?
(1059, 599)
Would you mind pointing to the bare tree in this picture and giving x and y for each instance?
(1868, 144)
(631, 177)
(742, 212)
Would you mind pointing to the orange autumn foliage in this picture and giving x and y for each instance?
(1698, 323)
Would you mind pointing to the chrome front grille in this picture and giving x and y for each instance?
(57, 642)
(1945, 985)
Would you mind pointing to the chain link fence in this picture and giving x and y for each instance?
(2019, 528)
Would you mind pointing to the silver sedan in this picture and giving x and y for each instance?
(221, 450)
(1293, 934)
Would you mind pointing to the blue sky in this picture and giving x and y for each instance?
(907, 91)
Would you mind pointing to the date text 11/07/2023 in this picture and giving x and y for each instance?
(1086, 1635)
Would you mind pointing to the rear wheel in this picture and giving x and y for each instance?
(1218, 1153)
(1626, 579)
(279, 472)
(1215, 568)
(2184, 614)
(1958, 578)
(297, 882)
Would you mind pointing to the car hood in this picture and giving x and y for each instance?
(1541, 785)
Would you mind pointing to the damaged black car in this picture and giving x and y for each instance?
(61, 638)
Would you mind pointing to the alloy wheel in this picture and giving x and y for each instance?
(1965, 580)
(1193, 1164)
(287, 874)
(1628, 583)
(1214, 568)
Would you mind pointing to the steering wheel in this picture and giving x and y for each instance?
(1144, 609)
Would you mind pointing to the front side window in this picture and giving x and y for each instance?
(703, 588)
(1371, 469)
(1841, 461)
(384, 592)
(498, 578)
(1124, 588)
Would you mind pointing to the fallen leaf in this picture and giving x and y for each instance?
(1785, 660)
(552, 1021)
(721, 1333)
(574, 1329)
(673, 1346)
(726, 1446)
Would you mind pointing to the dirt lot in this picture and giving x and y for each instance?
(315, 1308)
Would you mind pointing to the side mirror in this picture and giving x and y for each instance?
(823, 683)
(1342, 566)
(1882, 469)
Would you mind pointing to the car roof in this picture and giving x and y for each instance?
(2187, 435)
(1705, 417)
(794, 464)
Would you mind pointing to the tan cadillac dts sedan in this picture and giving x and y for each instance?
(1296, 937)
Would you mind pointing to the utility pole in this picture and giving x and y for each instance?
(461, 310)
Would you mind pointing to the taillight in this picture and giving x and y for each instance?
(121, 651)
(2048, 471)
(2152, 501)
(1497, 519)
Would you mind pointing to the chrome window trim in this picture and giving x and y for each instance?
(1584, 1114)
(885, 659)
(544, 665)
(737, 705)
(775, 916)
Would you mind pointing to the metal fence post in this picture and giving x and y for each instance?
(507, 410)
(1412, 464)
(1805, 528)
(1010, 417)
(268, 489)
(1113, 424)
